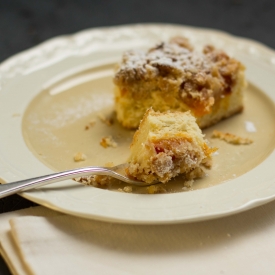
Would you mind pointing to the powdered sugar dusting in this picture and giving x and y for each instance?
(165, 55)
(250, 127)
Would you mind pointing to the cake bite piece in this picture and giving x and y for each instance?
(174, 76)
(166, 145)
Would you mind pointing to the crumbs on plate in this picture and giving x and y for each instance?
(94, 180)
(79, 157)
(126, 189)
(108, 142)
(231, 138)
(107, 120)
(156, 189)
(90, 124)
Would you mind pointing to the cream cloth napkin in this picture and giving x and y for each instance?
(40, 241)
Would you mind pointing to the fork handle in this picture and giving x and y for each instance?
(8, 189)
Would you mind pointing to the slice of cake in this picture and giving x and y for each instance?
(174, 76)
(166, 145)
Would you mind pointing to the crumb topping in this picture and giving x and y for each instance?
(181, 158)
(231, 138)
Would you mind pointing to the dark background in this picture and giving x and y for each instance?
(26, 23)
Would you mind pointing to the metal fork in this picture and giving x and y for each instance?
(117, 172)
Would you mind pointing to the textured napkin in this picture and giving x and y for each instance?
(40, 241)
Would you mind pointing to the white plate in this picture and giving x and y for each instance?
(24, 75)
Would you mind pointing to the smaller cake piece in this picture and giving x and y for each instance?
(166, 145)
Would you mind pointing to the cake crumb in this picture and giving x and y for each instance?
(107, 120)
(188, 183)
(128, 189)
(94, 180)
(109, 164)
(79, 157)
(125, 189)
(90, 124)
(156, 189)
(231, 138)
(108, 142)
(196, 173)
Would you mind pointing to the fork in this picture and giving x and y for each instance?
(117, 172)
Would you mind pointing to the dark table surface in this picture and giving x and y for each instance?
(26, 23)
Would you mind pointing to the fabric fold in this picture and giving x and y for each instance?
(62, 244)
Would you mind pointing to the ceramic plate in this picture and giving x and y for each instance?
(52, 101)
